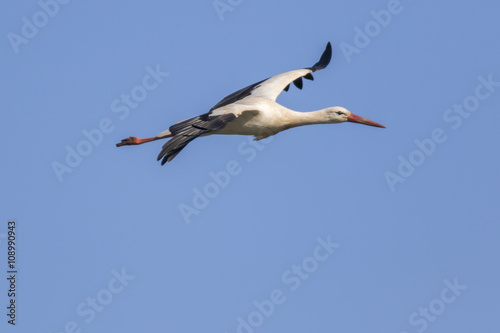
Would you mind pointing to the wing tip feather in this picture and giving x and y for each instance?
(325, 59)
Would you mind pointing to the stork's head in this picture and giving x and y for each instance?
(338, 114)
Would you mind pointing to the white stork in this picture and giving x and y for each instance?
(252, 111)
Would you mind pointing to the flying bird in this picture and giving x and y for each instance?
(252, 111)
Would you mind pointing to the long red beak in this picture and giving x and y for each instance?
(360, 120)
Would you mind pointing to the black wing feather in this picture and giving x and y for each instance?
(309, 76)
(298, 83)
(187, 130)
(236, 96)
(324, 60)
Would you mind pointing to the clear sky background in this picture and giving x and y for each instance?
(415, 248)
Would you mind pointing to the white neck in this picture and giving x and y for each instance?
(294, 118)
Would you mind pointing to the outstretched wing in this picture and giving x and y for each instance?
(273, 86)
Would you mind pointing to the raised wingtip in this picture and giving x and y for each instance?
(325, 58)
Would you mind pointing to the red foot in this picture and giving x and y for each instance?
(129, 141)
(135, 141)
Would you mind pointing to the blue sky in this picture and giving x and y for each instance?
(327, 228)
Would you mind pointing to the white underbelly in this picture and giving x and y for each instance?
(256, 126)
(257, 116)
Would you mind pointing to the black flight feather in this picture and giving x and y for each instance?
(187, 130)
(309, 76)
(324, 60)
(298, 83)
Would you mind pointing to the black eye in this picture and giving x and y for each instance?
(340, 112)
